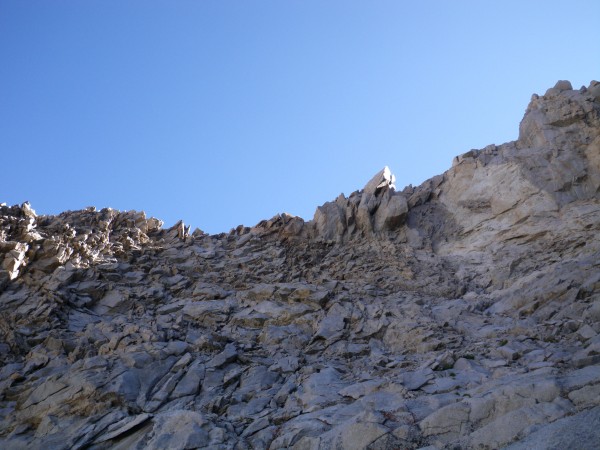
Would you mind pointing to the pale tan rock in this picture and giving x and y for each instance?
(447, 423)
(393, 214)
(384, 179)
(15, 258)
(360, 435)
(330, 221)
(594, 89)
(179, 429)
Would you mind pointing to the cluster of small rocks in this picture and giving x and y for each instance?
(462, 313)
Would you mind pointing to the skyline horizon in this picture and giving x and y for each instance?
(221, 114)
(165, 225)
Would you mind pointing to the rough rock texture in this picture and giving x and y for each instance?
(463, 313)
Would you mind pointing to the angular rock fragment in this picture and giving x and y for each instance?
(384, 179)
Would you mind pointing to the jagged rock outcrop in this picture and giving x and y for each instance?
(374, 209)
(462, 313)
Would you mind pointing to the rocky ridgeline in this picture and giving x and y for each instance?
(463, 313)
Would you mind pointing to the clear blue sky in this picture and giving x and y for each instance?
(223, 113)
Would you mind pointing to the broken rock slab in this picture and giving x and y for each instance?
(384, 179)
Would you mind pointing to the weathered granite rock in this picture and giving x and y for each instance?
(462, 313)
(594, 90)
(384, 179)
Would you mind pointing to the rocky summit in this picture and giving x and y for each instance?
(460, 314)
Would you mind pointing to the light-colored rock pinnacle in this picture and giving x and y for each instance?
(384, 179)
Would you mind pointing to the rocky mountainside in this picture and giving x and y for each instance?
(462, 313)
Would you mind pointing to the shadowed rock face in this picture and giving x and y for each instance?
(464, 312)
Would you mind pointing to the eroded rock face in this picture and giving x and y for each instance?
(464, 312)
